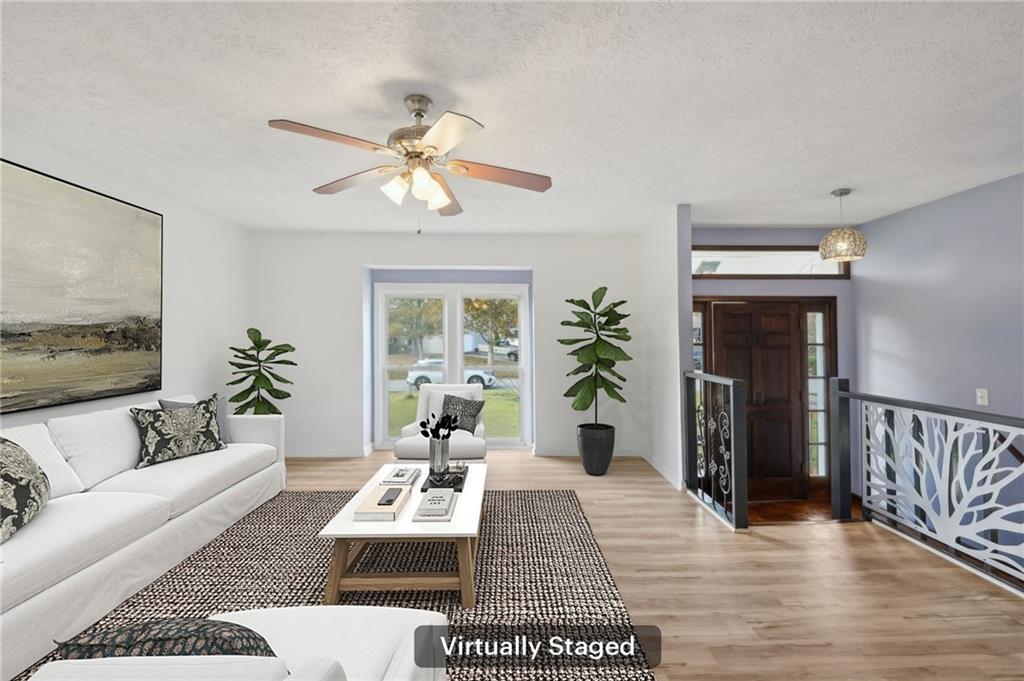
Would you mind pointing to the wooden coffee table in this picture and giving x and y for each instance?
(351, 538)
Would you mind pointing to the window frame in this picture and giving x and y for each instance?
(700, 307)
(824, 374)
(844, 267)
(452, 296)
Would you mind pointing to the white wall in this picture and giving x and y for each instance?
(308, 290)
(665, 315)
(940, 300)
(205, 279)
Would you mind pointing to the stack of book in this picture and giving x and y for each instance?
(436, 505)
(401, 475)
(376, 508)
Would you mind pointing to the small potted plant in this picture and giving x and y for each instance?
(597, 357)
(439, 431)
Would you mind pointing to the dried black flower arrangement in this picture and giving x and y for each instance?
(439, 428)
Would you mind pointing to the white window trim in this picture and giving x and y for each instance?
(452, 296)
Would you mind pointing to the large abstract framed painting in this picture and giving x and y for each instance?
(80, 293)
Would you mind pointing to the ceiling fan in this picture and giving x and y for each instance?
(418, 150)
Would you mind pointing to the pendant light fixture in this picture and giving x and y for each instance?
(846, 242)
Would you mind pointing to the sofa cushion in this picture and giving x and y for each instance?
(35, 438)
(373, 635)
(188, 482)
(98, 445)
(172, 636)
(24, 488)
(70, 534)
(169, 434)
(220, 668)
(435, 401)
(431, 397)
(462, 445)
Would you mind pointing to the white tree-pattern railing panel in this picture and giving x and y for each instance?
(954, 479)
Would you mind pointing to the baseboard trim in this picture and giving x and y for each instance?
(710, 509)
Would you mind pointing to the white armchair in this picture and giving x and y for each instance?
(463, 445)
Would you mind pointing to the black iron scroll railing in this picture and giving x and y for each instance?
(716, 426)
(952, 478)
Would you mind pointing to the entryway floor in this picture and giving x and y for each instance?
(795, 511)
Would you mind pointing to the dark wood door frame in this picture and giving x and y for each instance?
(817, 487)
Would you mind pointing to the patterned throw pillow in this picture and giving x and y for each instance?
(178, 636)
(24, 488)
(169, 434)
(222, 415)
(468, 411)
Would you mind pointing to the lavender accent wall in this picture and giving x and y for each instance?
(939, 300)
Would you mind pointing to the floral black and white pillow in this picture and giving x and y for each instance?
(169, 434)
(24, 488)
(468, 411)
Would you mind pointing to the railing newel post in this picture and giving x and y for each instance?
(738, 417)
(690, 458)
(839, 449)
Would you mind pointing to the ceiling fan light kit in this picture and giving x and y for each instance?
(844, 243)
(397, 188)
(420, 149)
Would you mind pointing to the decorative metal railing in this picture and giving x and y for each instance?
(715, 469)
(951, 477)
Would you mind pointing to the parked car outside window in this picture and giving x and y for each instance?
(429, 371)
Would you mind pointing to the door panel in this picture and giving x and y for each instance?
(775, 376)
(760, 343)
(774, 437)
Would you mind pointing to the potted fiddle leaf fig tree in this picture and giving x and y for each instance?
(597, 356)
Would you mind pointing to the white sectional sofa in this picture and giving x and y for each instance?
(109, 529)
(316, 643)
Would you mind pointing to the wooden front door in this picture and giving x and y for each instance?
(760, 343)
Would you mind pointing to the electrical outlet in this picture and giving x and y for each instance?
(981, 396)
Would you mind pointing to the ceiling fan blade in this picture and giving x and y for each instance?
(449, 130)
(302, 129)
(452, 208)
(358, 178)
(513, 178)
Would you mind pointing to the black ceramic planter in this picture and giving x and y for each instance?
(596, 442)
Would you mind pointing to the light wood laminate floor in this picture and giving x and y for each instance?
(782, 602)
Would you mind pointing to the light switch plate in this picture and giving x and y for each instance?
(981, 396)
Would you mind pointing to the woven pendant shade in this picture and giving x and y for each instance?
(843, 244)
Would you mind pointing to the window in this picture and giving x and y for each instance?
(764, 262)
(414, 353)
(452, 333)
(817, 394)
(698, 337)
(491, 356)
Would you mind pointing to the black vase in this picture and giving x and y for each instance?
(596, 442)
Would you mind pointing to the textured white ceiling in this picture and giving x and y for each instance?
(751, 112)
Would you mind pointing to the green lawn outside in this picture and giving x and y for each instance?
(501, 412)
